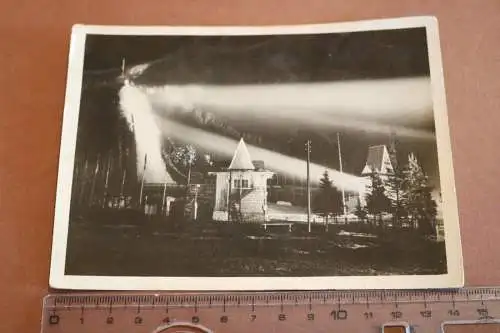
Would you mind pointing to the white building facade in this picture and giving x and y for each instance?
(241, 190)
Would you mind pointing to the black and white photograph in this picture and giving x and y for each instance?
(256, 158)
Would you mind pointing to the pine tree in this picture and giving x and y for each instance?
(328, 201)
(427, 212)
(360, 212)
(377, 201)
(398, 198)
(412, 186)
(421, 207)
(321, 202)
(395, 184)
(336, 205)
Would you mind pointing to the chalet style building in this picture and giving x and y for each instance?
(379, 161)
(241, 189)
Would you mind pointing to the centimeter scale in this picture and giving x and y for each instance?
(308, 311)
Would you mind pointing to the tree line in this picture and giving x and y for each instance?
(405, 194)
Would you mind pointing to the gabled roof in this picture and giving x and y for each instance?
(241, 158)
(377, 157)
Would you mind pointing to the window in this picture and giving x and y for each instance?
(241, 183)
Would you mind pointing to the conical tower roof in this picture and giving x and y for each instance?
(378, 160)
(241, 158)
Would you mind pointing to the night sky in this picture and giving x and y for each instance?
(263, 59)
(256, 59)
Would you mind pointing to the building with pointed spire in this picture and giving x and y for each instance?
(241, 189)
(241, 158)
(378, 161)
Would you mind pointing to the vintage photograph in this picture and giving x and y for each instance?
(296, 157)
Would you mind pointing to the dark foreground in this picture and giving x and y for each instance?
(112, 248)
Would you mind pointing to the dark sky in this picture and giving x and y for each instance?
(259, 59)
(256, 59)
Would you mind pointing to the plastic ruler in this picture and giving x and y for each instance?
(308, 311)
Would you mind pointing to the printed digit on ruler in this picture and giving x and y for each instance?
(339, 314)
(482, 312)
(396, 314)
(54, 319)
(426, 314)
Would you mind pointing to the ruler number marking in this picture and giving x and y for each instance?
(339, 314)
(483, 312)
(54, 319)
(426, 314)
(396, 314)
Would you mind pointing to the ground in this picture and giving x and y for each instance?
(100, 245)
(283, 209)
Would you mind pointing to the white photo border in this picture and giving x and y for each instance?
(454, 277)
